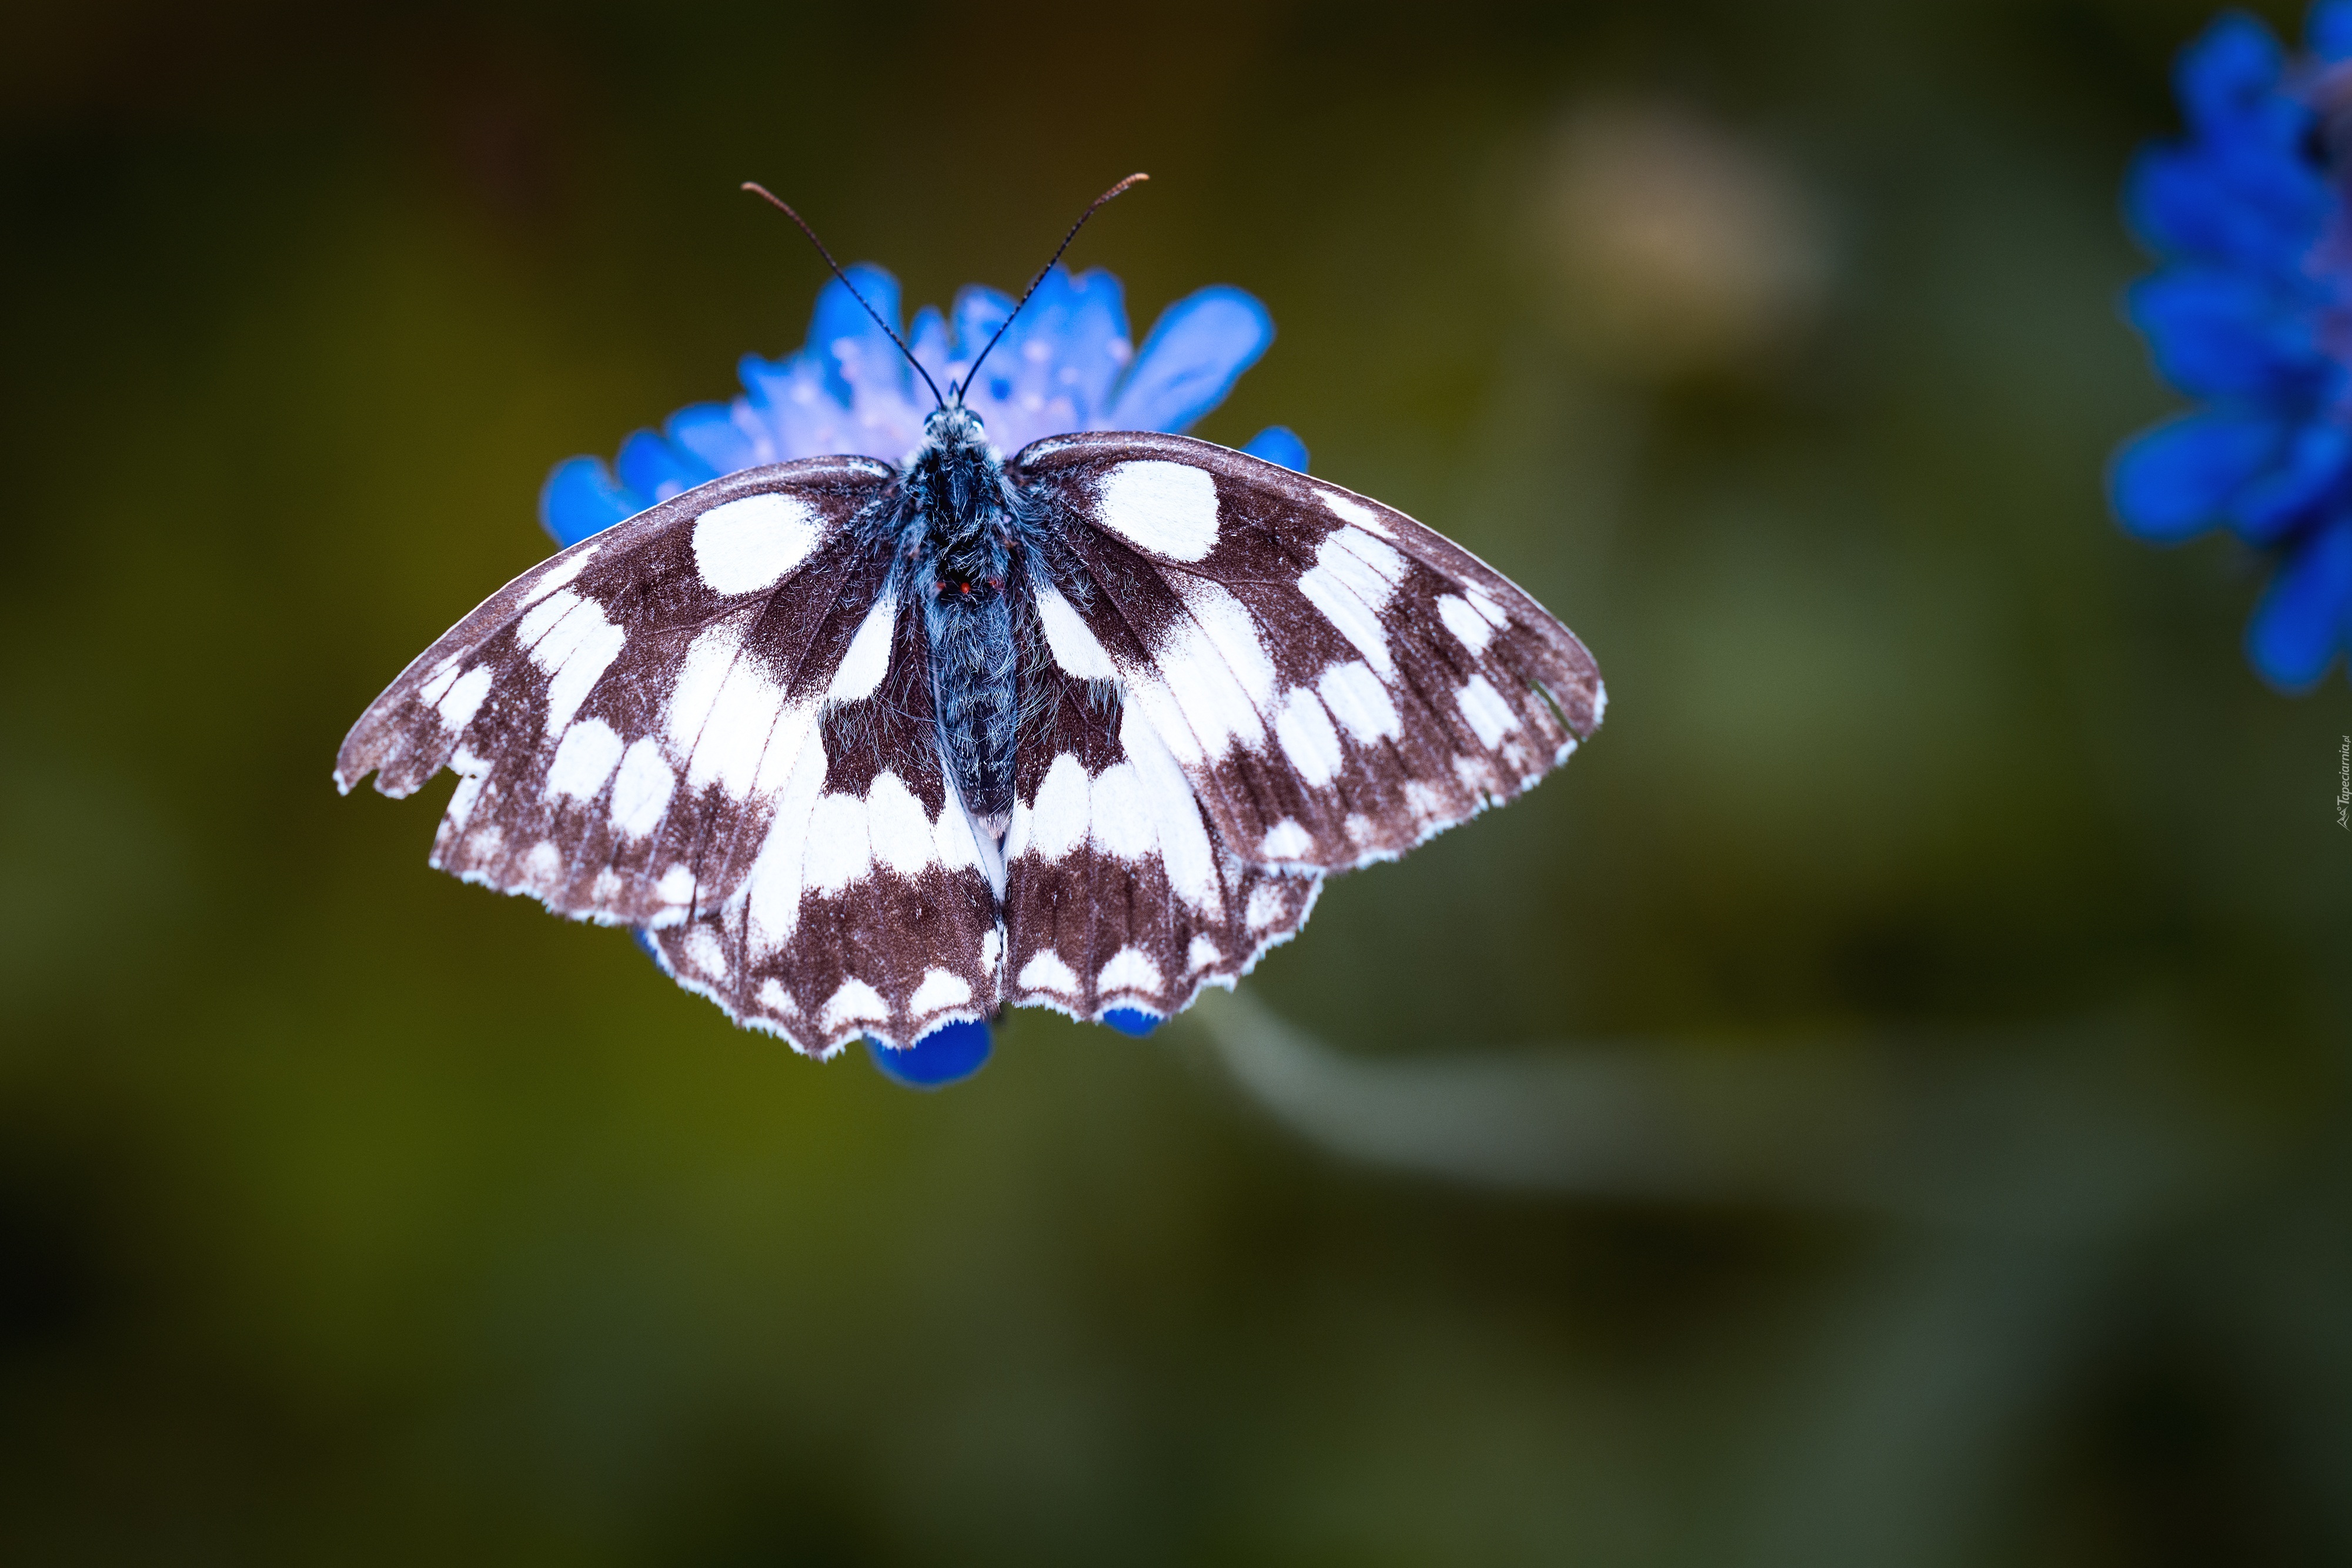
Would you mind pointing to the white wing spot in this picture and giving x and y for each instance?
(838, 851)
(1057, 823)
(1202, 953)
(1484, 707)
(1286, 841)
(1166, 508)
(1328, 585)
(1185, 853)
(1047, 972)
(750, 544)
(1267, 906)
(677, 885)
(1130, 969)
(705, 953)
(464, 698)
(1074, 645)
(641, 790)
(585, 759)
(1371, 569)
(1359, 700)
(575, 654)
(955, 843)
(856, 1002)
(899, 826)
(1349, 509)
(1233, 632)
(941, 989)
(1307, 738)
(544, 616)
(1119, 814)
(1472, 630)
(1213, 706)
(437, 685)
(543, 867)
(862, 668)
(470, 770)
(724, 712)
(559, 576)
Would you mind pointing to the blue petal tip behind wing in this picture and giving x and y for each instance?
(948, 1054)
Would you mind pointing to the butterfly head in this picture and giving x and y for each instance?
(953, 423)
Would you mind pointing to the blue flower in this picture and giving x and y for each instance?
(2251, 314)
(1066, 364)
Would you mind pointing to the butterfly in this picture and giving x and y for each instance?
(864, 748)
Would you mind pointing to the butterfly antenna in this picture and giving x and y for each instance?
(1095, 205)
(772, 199)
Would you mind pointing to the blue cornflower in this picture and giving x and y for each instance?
(1066, 364)
(2251, 313)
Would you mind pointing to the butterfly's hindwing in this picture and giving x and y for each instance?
(867, 905)
(1336, 681)
(1120, 891)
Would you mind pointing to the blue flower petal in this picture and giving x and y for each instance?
(652, 466)
(2229, 81)
(1278, 443)
(1095, 346)
(2301, 620)
(706, 432)
(1197, 349)
(2314, 463)
(849, 341)
(979, 312)
(948, 1054)
(2329, 29)
(2264, 213)
(1133, 1022)
(2223, 333)
(581, 498)
(2177, 480)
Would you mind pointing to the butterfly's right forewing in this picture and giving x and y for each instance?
(1336, 681)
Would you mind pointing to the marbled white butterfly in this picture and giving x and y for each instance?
(868, 749)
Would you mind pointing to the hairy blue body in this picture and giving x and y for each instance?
(960, 536)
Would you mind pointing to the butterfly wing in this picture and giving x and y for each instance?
(635, 721)
(1119, 890)
(869, 905)
(1336, 681)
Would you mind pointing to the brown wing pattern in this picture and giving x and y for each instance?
(630, 720)
(1120, 891)
(1336, 681)
(867, 904)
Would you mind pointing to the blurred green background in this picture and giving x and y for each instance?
(1885, 1103)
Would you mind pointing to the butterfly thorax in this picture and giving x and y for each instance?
(957, 525)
